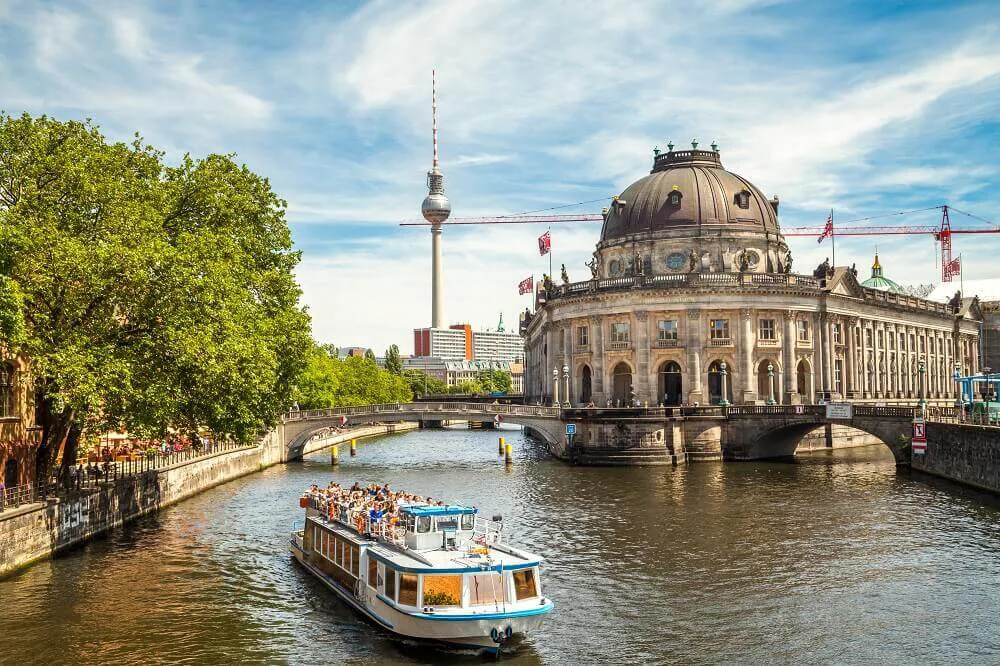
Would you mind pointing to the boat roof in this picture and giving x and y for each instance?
(428, 510)
(437, 561)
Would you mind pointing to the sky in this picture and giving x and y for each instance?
(865, 108)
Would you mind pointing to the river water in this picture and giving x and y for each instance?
(832, 558)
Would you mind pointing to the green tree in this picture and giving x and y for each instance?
(369, 355)
(393, 363)
(420, 383)
(469, 387)
(154, 297)
(329, 381)
(495, 380)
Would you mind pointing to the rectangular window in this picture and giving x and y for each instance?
(372, 572)
(921, 345)
(408, 589)
(524, 584)
(902, 341)
(619, 331)
(666, 329)
(582, 336)
(766, 330)
(390, 583)
(803, 328)
(838, 369)
(486, 588)
(868, 337)
(837, 334)
(718, 329)
(355, 563)
(442, 591)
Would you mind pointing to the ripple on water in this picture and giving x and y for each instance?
(832, 558)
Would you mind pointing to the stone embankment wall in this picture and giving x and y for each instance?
(964, 453)
(36, 531)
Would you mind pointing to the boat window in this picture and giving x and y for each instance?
(338, 552)
(355, 565)
(409, 523)
(408, 589)
(423, 523)
(524, 584)
(449, 523)
(486, 588)
(390, 583)
(372, 572)
(442, 590)
(468, 520)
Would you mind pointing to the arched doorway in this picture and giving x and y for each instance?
(715, 383)
(803, 377)
(585, 385)
(764, 380)
(669, 385)
(621, 391)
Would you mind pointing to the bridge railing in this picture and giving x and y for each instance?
(423, 408)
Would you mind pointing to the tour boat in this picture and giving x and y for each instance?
(430, 573)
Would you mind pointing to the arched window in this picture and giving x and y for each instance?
(669, 384)
(803, 378)
(621, 394)
(585, 385)
(6, 390)
(764, 380)
(715, 381)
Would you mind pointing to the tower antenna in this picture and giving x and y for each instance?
(436, 208)
(434, 114)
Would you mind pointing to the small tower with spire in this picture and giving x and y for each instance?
(435, 209)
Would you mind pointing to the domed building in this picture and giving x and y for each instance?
(693, 299)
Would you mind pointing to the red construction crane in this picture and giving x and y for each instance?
(943, 232)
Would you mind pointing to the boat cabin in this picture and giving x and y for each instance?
(433, 527)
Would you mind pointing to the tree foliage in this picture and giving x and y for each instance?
(154, 297)
(329, 381)
(393, 363)
(494, 381)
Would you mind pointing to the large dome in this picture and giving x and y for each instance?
(687, 188)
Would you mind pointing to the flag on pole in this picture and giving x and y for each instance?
(544, 244)
(526, 285)
(827, 230)
(952, 268)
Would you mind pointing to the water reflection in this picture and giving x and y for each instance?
(832, 557)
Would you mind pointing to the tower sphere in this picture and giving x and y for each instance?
(436, 208)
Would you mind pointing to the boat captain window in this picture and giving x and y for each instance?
(524, 584)
(447, 523)
(423, 523)
(468, 521)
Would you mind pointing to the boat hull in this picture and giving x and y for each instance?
(488, 632)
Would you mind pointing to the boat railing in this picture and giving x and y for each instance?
(485, 532)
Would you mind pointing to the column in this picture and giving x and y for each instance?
(597, 359)
(908, 365)
(829, 385)
(549, 359)
(694, 346)
(788, 347)
(641, 379)
(851, 359)
(567, 334)
(746, 351)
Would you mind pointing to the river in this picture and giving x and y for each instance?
(832, 558)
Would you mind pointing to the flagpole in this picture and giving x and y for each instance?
(833, 239)
(548, 230)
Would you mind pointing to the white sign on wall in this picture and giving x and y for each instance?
(839, 411)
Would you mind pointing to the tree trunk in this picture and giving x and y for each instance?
(55, 426)
(71, 448)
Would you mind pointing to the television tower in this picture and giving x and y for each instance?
(436, 209)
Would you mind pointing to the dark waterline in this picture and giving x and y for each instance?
(832, 558)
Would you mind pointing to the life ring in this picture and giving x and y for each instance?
(359, 523)
(508, 632)
(495, 635)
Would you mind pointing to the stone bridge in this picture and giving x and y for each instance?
(655, 435)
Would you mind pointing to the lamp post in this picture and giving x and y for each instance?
(555, 387)
(960, 400)
(722, 371)
(921, 369)
(566, 402)
(770, 383)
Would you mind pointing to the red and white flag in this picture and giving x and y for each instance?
(544, 244)
(526, 285)
(952, 269)
(827, 230)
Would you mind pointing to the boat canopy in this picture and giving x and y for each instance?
(453, 510)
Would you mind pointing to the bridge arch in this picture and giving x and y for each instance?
(764, 439)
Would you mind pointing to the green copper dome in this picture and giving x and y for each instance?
(879, 281)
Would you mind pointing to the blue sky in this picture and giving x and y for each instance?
(864, 107)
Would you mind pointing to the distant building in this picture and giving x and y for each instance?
(345, 352)
(454, 373)
(19, 434)
(460, 343)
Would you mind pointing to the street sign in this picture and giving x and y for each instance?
(919, 440)
(570, 428)
(838, 410)
(799, 409)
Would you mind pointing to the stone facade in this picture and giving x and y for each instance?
(19, 438)
(966, 454)
(696, 303)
